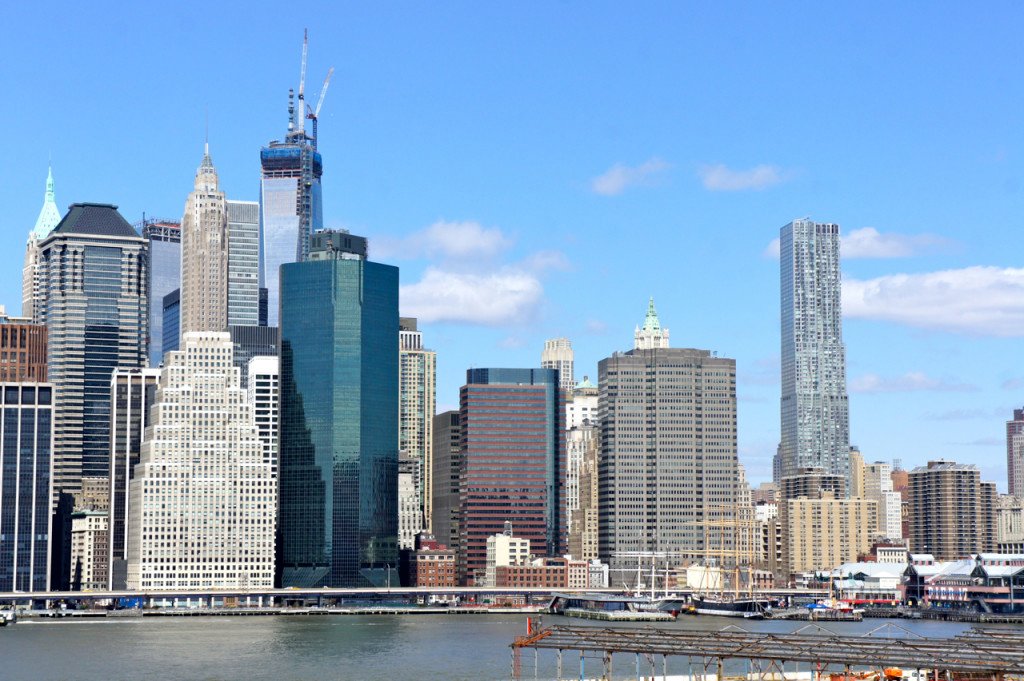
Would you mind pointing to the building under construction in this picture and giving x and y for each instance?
(291, 207)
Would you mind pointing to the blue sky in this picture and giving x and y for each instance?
(540, 169)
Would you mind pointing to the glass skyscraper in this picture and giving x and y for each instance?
(290, 209)
(243, 263)
(94, 274)
(338, 442)
(26, 440)
(164, 237)
(815, 411)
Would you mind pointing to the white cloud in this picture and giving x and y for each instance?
(619, 177)
(449, 240)
(868, 242)
(913, 381)
(720, 178)
(1012, 384)
(984, 301)
(543, 261)
(495, 299)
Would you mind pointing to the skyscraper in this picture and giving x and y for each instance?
(558, 355)
(668, 461)
(952, 512)
(204, 254)
(1015, 453)
(416, 404)
(164, 239)
(243, 263)
(201, 505)
(338, 443)
(512, 468)
(48, 218)
(447, 454)
(250, 342)
(815, 412)
(170, 327)
(26, 466)
(132, 395)
(94, 302)
(291, 207)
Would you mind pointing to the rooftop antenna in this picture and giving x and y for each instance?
(206, 138)
(302, 81)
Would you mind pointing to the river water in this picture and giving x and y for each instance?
(301, 648)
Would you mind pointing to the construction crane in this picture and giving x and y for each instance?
(302, 79)
(314, 114)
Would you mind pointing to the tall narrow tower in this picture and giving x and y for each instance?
(204, 254)
(48, 218)
(815, 412)
(291, 207)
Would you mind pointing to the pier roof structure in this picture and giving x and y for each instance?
(991, 653)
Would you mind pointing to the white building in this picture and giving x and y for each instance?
(204, 254)
(263, 390)
(878, 488)
(581, 405)
(1010, 524)
(410, 515)
(577, 443)
(558, 354)
(89, 555)
(504, 550)
(203, 500)
(651, 335)
(417, 402)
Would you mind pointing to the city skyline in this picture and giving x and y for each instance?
(522, 203)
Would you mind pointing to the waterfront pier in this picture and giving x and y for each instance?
(979, 654)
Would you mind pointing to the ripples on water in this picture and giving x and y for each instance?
(304, 648)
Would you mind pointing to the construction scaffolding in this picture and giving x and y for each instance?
(996, 654)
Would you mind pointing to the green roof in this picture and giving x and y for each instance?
(49, 216)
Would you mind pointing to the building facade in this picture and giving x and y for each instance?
(164, 240)
(417, 401)
(90, 550)
(31, 284)
(823, 531)
(447, 454)
(558, 355)
(512, 468)
(132, 395)
(291, 208)
(952, 512)
(1015, 453)
(264, 394)
(26, 466)
(410, 513)
(171, 325)
(815, 411)
(668, 462)
(201, 507)
(582, 519)
(22, 350)
(253, 341)
(338, 441)
(243, 290)
(204, 253)
(94, 300)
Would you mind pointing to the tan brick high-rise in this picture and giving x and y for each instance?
(204, 254)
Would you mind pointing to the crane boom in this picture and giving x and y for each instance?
(302, 80)
(323, 93)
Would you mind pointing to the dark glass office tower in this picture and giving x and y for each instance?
(26, 439)
(94, 274)
(338, 514)
(164, 239)
(512, 463)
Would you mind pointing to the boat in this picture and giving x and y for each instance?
(749, 608)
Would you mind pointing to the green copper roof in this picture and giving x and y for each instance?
(651, 322)
(49, 216)
(585, 383)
